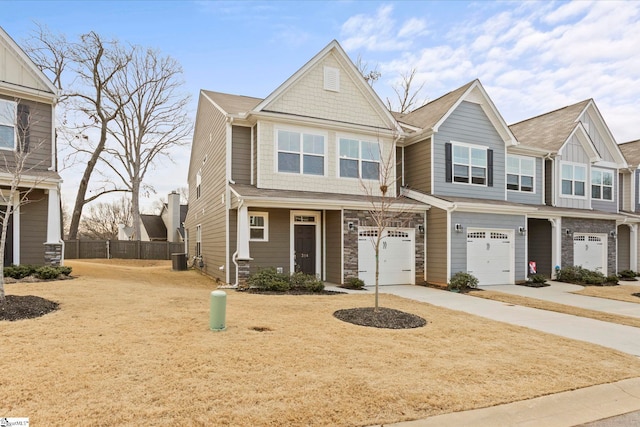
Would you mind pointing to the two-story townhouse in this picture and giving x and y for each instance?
(629, 205)
(27, 130)
(455, 160)
(578, 222)
(289, 181)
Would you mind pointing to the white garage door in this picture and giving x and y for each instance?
(589, 251)
(397, 266)
(490, 256)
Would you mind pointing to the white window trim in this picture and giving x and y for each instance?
(602, 186)
(587, 181)
(199, 184)
(198, 240)
(301, 131)
(12, 124)
(520, 158)
(360, 140)
(453, 163)
(265, 215)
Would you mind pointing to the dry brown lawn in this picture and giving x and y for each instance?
(132, 346)
(622, 293)
(559, 308)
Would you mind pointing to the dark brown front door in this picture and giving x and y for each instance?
(305, 248)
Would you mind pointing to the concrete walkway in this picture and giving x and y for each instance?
(604, 405)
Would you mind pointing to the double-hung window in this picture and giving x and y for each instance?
(8, 115)
(359, 159)
(300, 152)
(573, 180)
(198, 184)
(259, 226)
(469, 165)
(601, 184)
(520, 173)
(198, 240)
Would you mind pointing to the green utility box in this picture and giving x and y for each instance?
(218, 311)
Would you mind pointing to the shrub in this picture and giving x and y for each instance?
(354, 283)
(19, 271)
(47, 272)
(582, 276)
(537, 278)
(64, 270)
(462, 281)
(627, 275)
(306, 282)
(269, 279)
(611, 280)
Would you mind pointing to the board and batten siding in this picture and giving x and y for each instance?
(606, 205)
(241, 154)
(624, 248)
(417, 166)
(274, 253)
(574, 153)
(33, 228)
(537, 196)
(470, 125)
(208, 153)
(437, 248)
(333, 222)
(487, 221)
(596, 137)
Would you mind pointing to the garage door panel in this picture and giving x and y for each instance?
(396, 257)
(589, 251)
(490, 256)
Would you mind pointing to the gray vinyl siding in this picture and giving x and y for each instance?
(535, 198)
(437, 250)
(254, 159)
(417, 166)
(479, 220)
(607, 205)
(39, 158)
(334, 246)
(33, 228)
(208, 152)
(574, 153)
(539, 244)
(241, 155)
(636, 177)
(624, 248)
(233, 243)
(469, 124)
(275, 252)
(548, 182)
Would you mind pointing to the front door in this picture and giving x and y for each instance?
(305, 248)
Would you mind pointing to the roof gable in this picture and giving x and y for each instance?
(433, 114)
(592, 112)
(18, 72)
(587, 145)
(351, 100)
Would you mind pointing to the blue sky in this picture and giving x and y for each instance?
(532, 57)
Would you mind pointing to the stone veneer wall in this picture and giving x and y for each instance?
(363, 218)
(583, 225)
(52, 254)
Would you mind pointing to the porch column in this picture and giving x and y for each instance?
(633, 250)
(243, 233)
(53, 253)
(556, 245)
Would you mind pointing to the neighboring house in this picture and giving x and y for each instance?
(455, 160)
(166, 227)
(27, 124)
(579, 223)
(628, 253)
(278, 182)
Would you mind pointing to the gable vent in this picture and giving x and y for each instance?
(332, 79)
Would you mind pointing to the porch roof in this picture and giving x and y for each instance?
(306, 199)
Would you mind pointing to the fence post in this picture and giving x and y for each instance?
(77, 248)
(138, 254)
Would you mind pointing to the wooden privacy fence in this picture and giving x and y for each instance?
(125, 249)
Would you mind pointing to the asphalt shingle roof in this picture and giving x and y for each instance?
(233, 104)
(631, 152)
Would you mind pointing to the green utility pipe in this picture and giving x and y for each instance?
(218, 311)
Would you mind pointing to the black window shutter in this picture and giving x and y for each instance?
(448, 166)
(23, 128)
(490, 168)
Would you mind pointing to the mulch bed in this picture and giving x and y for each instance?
(533, 285)
(18, 307)
(380, 318)
(637, 294)
(291, 292)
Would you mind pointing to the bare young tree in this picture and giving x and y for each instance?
(153, 120)
(103, 219)
(91, 66)
(25, 174)
(407, 96)
(371, 75)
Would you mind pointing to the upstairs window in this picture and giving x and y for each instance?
(573, 180)
(520, 174)
(8, 117)
(198, 183)
(198, 240)
(300, 153)
(467, 164)
(601, 184)
(258, 226)
(359, 159)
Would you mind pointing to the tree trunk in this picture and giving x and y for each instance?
(3, 240)
(135, 207)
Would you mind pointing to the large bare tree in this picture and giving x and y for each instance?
(86, 72)
(153, 120)
(103, 219)
(407, 94)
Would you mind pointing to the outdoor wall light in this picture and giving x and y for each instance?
(458, 228)
(567, 231)
(420, 228)
(351, 226)
(612, 233)
(522, 230)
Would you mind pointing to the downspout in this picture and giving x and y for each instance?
(234, 257)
